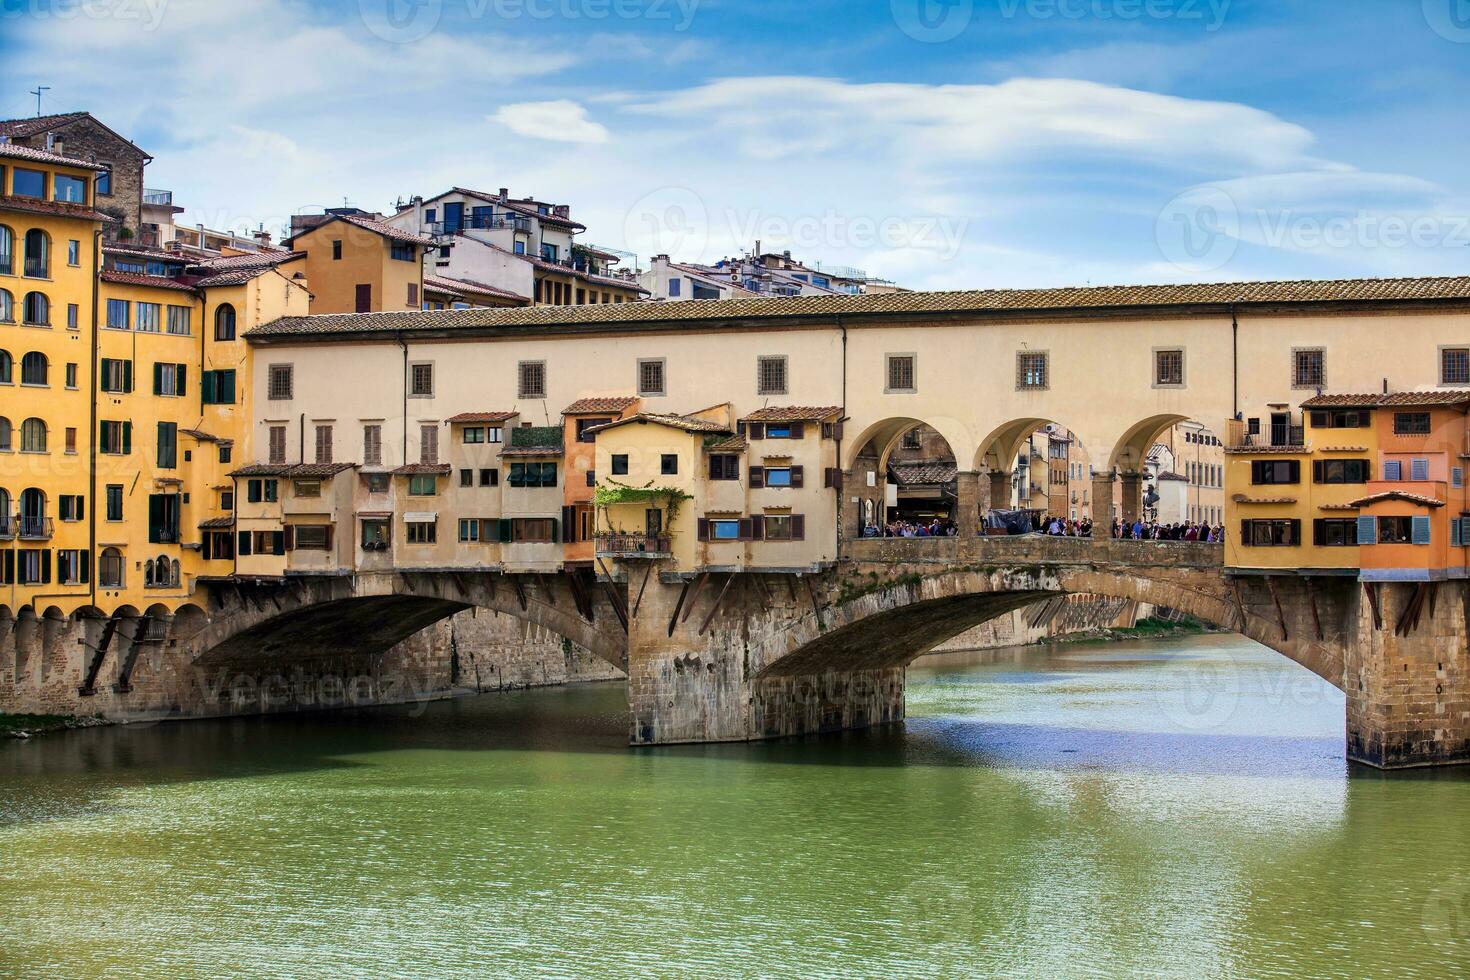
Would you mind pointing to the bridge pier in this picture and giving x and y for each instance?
(1102, 503)
(1000, 490)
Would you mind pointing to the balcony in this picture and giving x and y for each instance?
(37, 269)
(35, 529)
(634, 545)
(515, 222)
(7, 528)
(160, 198)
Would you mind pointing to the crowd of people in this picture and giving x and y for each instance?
(934, 528)
(1138, 530)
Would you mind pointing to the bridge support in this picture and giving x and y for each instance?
(1102, 503)
(1000, 490)
(967, 502)
(1131, 491)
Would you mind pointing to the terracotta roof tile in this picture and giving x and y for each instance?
(1413, 498)
(795, 413)
(524, 451)
(136, 279)
(598, 406)
(370, 224)
(249, 261)
(1396, 399)
(672, 421)
(1268, 450)
(734, 444)
(923, 473)
(145, 252)
(17, 152)
(32, 125)
(423, 469)
(1241, 498)
(216, 522)
(1211, 296)
(292, 469)
(446, 284)
(59, 208)
(471, 418)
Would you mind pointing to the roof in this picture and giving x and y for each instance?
(446, 284)
(17, 152)
(250, 260)
(470, 418)
(145, 252)
(292, 469)
(1397, 399)
(1220, 297)
(672, 421)
(216, 522)
(423, 469)
(138, 279)
(734, 444)
(233, 277)
(36, 125)
(512, 451)
(599, 406)
(1413, 498)
(370, 224)
(199, 435)
(795, 413)
(59, 208)
(1268, 450)
(912, 474)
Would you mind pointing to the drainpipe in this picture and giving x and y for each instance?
(1234, 363)
(92, 558)
(404, 420)
(842, 489)
(301, 438)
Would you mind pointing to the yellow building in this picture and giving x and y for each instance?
(49, 235)
(358, 264)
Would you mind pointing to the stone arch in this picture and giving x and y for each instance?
(891, 626)
(885, 434)
(927, 472)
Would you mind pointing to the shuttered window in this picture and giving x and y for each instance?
(277, 444)
(651, 377)
(1367, 530)
(421, 381)
(372, 445)
(1419, 470)
(1421, 530)
(428, 444)
(323, 443)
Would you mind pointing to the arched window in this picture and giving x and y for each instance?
(148, 574)
(5, 445)
(38, 254)
(224, 322)
(110, 569)
(6, 366)
(33, 436)
(7, 251)
(5, 514)
(37, 310)
(32, 511)
(33, 368)
(7, 307)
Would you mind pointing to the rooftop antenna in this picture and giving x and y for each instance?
(37, 92)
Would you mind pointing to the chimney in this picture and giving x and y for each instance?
(262, 236)
(562, 211)
(504, 193)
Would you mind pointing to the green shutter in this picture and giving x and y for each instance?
(554, 537)
(207, 387)
(127, 438)
(127, 377)
(183, 380)
(1420, 532)
(227, 387)
(507, 532)
(1367, 530)
(158, 379)
(1455, 532)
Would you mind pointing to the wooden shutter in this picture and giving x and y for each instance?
(364, 298)
(554, 522)
(757, 476)
(798, 480)
(701, 532)
(569, 521)
(747, 529)
(1245, 533)
(798, 430)
(428, 444)
(84, 566)
(1319, 468)
(507, 531)
(832, 478)
(756, 430)
(1294, 469)
(330, 533)
(158, 378)
(798, 527)
(127, 377)
(288, 538)
(1420, 530)
(244, 545)
(758, 528)
(181, 380)
(127, 438)
(46, 566)
(278, 543)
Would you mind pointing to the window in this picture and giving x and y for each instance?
(584, 427)
(169, 379)
(423, 485)
(1342, 418)
(324, 443)
(494, 434)
(364, 298)
(402, 251)
(28, 183)
(7, 243)
(912, 439)
(490, 478)
(71, 375)
(168, 445)
(674, 286)
(179, 320)
(421, 381)
(1411, 423)
(277, 444)
(7, 307)
(1393, 470)
(770, 375)
(1419, 470)
(110, 569)
(1168, 368)
(5, 439)
(1266, 472)
(218, 387)
(114, 502)
(778, 476)
(34, 369)
(257, 491)
(620, 464)
(651, 377)
(279, 382)
(1335, 533)
(372, 444)
(429, 444)
(668, 464)
(901, 374)
(1270, 534)
(163, 518)
(73, 252)
(312, 537)
(37, 254)
(376, 482)
(104, 180)
(1308, 368)
(469, 529)
(37, 311)
(1031, 371)
(118, 314)
(1396, 530)
(473, 435)
(71, 566)
(422, 532)
(777, 527)
(33, 436)
(532, 379)
(532, 475)
(149, 317)
(533, 530)
(724, 466)
(71, 440)
(70, 507)
(308, 487)
(724, 530)
(224, 322)
(71, 190)
(1454, 365)
(375, 534)
(336, 250)
(115, 438)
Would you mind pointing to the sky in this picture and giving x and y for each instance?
(941, 144)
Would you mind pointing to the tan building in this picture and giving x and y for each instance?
(359, 264)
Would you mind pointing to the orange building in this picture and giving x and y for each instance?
(580, 419)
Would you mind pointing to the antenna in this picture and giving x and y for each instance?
(37, 91)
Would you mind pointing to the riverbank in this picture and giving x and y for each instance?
(1144, 629)
(26, 726)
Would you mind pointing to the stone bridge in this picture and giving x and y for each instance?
(733, 655)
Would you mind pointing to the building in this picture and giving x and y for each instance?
(520, 246)
(443, 293)
(359, 263)
(754, 274)
(116, 160)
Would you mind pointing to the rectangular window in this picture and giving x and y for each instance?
(1031, 371)
(1168, 368)
(724, 466)
(777, 527)
(279, 378)
(473, 435)
(117, 314)
(375, 534)
(467, 478)
(668, 464)
(372, 445)
(71, 567)
(901, 375)
(324, 443)
(168, 445)
(73, 316)
(114, 502)
(532, 475)
(70, 506)
(336, 250)
(1308, 368)
(150, 317)
(532, 376)
(277, 445)
(28, 183)
(490, 477)
(1342, 418)
(1393, 470)
(104, 182)
(179, 320)
(402, 251)
(777, 476)
(218, 387)
(620, 464)
(423, 485)
(308, 487)
(1396, 530)
(1269, 472)
(770, 375)
(71, 190)
(312, 537)
(169, 379)
(584, 427)
(116, 377)
(422, 532)
(1419, 470)
(724, 530)
(534, 530)
(115, 438)
(1270, 534)
(1454, 366)
(73, 252)
(1341, 471)
(421, 381)
(1335, 533)
(429, 444)
(1411, 423)
(469, 530)
(651, 377)
(364, 298)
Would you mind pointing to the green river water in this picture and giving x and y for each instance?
(1175, 808)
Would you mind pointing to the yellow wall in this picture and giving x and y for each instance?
(366, 260)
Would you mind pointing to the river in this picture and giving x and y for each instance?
(1173, 808)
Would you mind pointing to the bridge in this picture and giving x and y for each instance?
(742, 655)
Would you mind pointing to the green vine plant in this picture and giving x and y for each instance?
(614, 493)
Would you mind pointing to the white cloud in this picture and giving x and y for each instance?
(560, 120)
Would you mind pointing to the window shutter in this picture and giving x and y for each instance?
(331, 529)
(747, 529)
(182, 382)
(798, 527)
(1319, 467)
(757, 477)
(568, 521)
(158, 379)
(554, 523)
(826, 430)
(701, 532)
(797, 478)
(127, 438)
(1245, 533)
(1419, 470)
(1294, 467)
(1457, 476)
(429, 444)
(832, 479)
(758, 528)
(209, 387)
(756, 430)
(84, 566)
(798, 430)
(507, 531)
(716, 467)
(155, 518)
(1421, 530)
(1455, 532)
(1393, 470)
(278, 542)
(127, 377)
(46, 566)
(288, 538)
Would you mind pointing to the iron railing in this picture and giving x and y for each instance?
(633, 544)
(35, 528)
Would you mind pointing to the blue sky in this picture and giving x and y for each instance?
(940, 143)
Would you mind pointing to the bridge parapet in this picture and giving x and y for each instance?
(1031, 548)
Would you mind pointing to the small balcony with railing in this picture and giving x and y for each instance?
(619, 545)
(35, 528)
(480, 222)
(7, 528)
